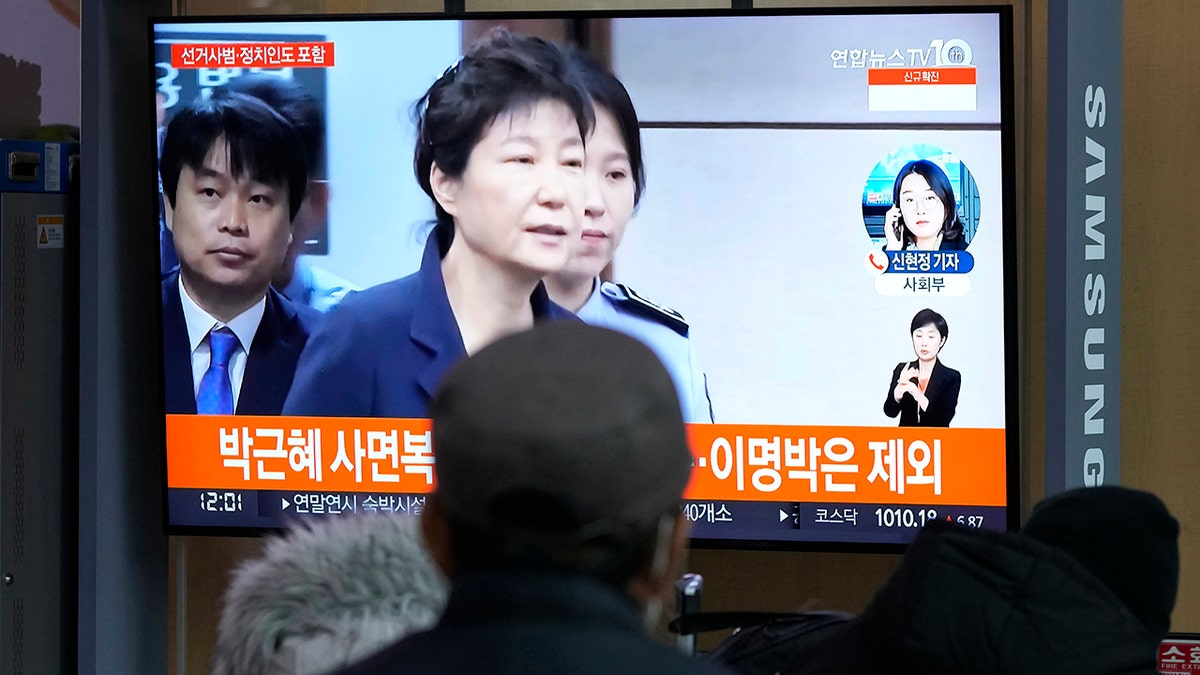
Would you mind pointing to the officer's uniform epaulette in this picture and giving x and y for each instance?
(645, 307)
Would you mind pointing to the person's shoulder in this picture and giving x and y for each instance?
(414, 653)
(637, 307)
(322, 277)
(948, 371)
(959, 243)
(325, 286)
(387, 301)
(295, 320)
(170, 288)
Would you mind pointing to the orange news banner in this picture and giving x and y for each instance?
(733, 462)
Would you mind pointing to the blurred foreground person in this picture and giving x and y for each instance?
(561, 461)
(1086, 588)
(326, 595)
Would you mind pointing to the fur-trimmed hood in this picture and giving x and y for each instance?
(326, 594)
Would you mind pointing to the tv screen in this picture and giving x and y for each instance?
(823, 256)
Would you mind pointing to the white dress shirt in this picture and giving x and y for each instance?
(200, 323)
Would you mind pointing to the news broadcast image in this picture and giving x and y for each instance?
(772, 148)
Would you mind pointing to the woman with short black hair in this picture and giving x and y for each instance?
(500, 151)
(924, 392)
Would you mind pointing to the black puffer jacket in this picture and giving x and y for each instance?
(971, 601)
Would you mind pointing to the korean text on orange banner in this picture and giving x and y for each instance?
(335, 454)
(871, 465)
(731, 462)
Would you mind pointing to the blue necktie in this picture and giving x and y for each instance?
(215, 396)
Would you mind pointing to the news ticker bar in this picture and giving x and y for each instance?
(829, 522)
(733, 462)
(742, 520)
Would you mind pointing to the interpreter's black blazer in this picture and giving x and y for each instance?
(942, 392)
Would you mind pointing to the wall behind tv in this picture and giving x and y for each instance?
(39, 65)
(1160, 366)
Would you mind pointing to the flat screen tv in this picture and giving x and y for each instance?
(827, 225)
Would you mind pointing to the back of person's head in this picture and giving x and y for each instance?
(296, 106)
(560, 448)
(608, 92)
(262, 145)
(1124, 537)
(328, 594)
(501, 73)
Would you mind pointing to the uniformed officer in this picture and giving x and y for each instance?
(615, 180)
(664, 330)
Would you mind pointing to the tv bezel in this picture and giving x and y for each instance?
(1008, 163)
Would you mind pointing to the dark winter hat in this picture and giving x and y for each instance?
(566, 433)
(1124, 537)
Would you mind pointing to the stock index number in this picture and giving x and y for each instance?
(908, 517)
(903, 517)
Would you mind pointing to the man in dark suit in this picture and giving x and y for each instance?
(234, 176)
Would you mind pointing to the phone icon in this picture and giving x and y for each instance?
(874, 263)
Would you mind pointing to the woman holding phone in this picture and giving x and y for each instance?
(500, 152)
(924, 392)
(924, 215)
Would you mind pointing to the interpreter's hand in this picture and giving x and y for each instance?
(906, 383)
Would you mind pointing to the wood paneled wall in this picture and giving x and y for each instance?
(1160, 355)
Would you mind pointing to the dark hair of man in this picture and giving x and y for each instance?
(612, 558)
(500, 73)
(952, 227)
(262, 145)
(295, 104)
(928, 316)
(608, 92)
